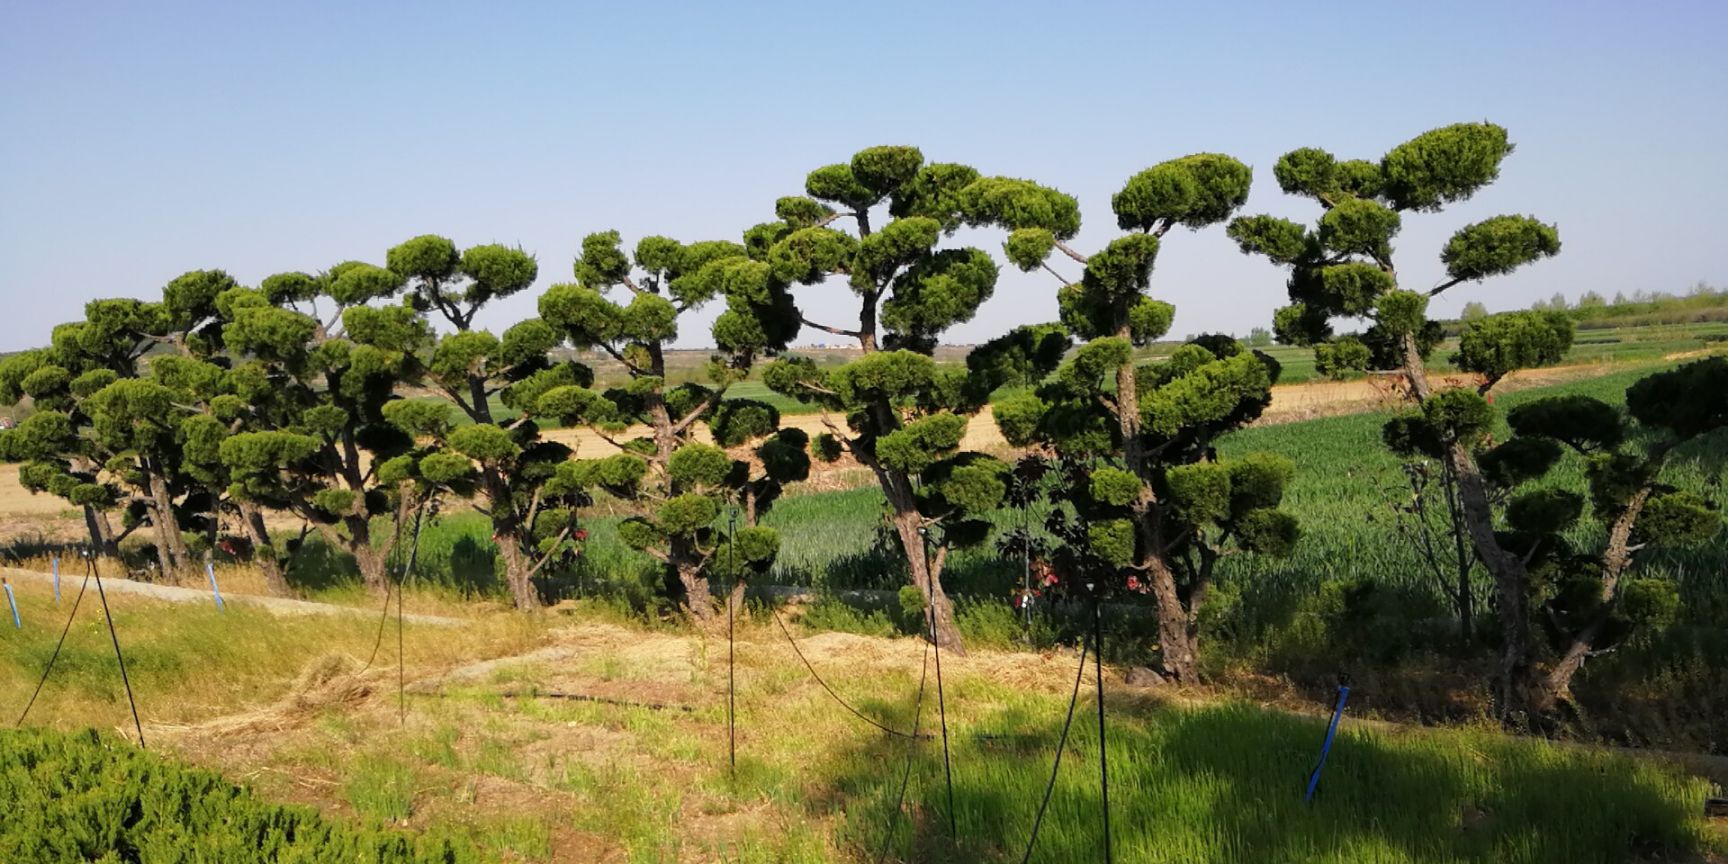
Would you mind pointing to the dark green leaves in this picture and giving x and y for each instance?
(1358, 227)
(602, 263)
(1443, 165)
(837, 184)
(1280, 240)
(1016, 205)
(427, 257)
(1677, 517)
(497, 271)
(701, 466)
(1497, 246)
(1544, 511)
(1583, 422)
(1495, 346)
(357, 283)
(1687, 401)
(1194, 191)
(883, 169)
(1028, 247)
(1520, 460)
(918, 444)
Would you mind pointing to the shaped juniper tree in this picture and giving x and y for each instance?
(495, 381)
(54, 455)
(674, 485)
(1581, 590)
(1342, 267)
(904, 415)
(322, 454)
(1154, 507)
(116, 437)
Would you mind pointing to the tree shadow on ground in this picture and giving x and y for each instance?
(1225, 784)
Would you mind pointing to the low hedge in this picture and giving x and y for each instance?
(88, 797)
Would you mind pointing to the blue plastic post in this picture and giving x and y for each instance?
(210, 569)
(13, 602)
(1326, 747)
(55, 560)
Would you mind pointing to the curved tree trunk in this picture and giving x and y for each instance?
(101, 532)
(1178, 639)
(926, 575)
(171, 549)
(263, 553)
(697, 596)
(518, 565)
(373, 563)
(1520, 686)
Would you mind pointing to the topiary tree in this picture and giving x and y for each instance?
(904, 415)
(1153, 508)
(122, 442)
(54, 456)
(495, 381)
(1342, 267)
(1581, 591)
(323, 447)
(674, 485)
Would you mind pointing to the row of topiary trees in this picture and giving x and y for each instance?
(331, 397)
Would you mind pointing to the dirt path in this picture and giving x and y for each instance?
(276, 605)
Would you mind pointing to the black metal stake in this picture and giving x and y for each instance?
(401, 588)
(731, 674)
(96, 572)
(1103, 750)
(941, 702)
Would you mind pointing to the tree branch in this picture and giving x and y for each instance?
(684, 423)
(1443, 286)
(1069, 251)
(855, 334)
(1052, 272)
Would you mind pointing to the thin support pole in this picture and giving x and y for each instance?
(1326, 746)
(54, 564)
(401, 666)
(138, 725)
(1026, 574)
(401, 588)
(731, 655)
(17, 623)
(1103, 749)
(49, 668)
(210, 570)
(941, 700)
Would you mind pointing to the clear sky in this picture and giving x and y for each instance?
(138, 141)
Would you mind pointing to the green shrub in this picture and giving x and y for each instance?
(84, 796)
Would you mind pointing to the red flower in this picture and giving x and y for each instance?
(581, 534)
(1133, 583)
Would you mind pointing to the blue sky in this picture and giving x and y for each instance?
(138, 141)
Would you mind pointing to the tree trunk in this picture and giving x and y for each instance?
(170, 545)
(263, 553)
(1178, 641)
(101, 533)
(1518, 681)
(1555, 688)
(938, 608)
(372, 562)
(517, 565)
(1464, 596)
(697, 597)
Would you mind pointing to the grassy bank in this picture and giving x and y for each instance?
(526, 779)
